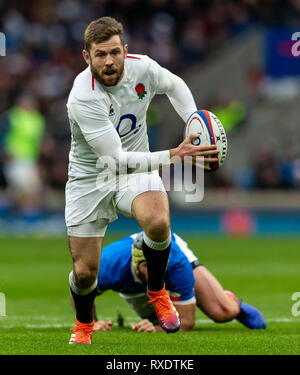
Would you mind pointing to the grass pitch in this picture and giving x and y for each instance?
(262, 271)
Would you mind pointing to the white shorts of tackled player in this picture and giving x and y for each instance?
(2, 44)
(2, 305)
(114, 174)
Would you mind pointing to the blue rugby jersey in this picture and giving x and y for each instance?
(116, 272)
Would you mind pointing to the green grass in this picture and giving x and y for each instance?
(262, 271)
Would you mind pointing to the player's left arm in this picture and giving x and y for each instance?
(187, 320)
(187, 316)
(180, 283)
(180, 280)
(175, 88)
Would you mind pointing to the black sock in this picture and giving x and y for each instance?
(157, 261)
(84, 306)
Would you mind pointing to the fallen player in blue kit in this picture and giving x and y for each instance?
(189, 284)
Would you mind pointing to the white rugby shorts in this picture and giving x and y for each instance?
(88, 215)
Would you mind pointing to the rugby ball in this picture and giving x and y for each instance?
(211, 132)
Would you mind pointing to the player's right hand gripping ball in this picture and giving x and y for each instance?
(211, 132)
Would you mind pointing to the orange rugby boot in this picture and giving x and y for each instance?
(82, 333)
(166, 312)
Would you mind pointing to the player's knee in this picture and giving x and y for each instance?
(223, 313)
(233, 311)
(85, 276)
(218, 316)
(159, 226)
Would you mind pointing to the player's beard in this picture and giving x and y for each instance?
(106, 80)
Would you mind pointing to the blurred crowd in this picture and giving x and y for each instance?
(269, 171)
(44, 40)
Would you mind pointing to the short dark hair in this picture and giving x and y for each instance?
(102, 30)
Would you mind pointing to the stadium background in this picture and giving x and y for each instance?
(236, 56)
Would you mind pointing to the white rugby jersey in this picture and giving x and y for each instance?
(95, 109)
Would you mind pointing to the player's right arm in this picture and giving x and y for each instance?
(187, 320)
(100, 134)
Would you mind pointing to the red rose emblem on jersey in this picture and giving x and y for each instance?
(140, 90)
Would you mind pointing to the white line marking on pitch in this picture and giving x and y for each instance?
(131, 319)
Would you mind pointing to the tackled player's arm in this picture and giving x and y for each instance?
(187, 320)
(180, 281)
(187, 316)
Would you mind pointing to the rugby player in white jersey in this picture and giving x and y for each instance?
(107, 112)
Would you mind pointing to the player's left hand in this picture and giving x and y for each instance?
(102, 325)
(143, 326)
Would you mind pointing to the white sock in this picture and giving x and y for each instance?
(79, 291)
(157, 245)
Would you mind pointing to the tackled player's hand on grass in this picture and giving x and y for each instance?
(144, 326)
(102, 325)
(187, 148)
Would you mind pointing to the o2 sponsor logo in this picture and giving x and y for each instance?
(127, 124)
(296, 46)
